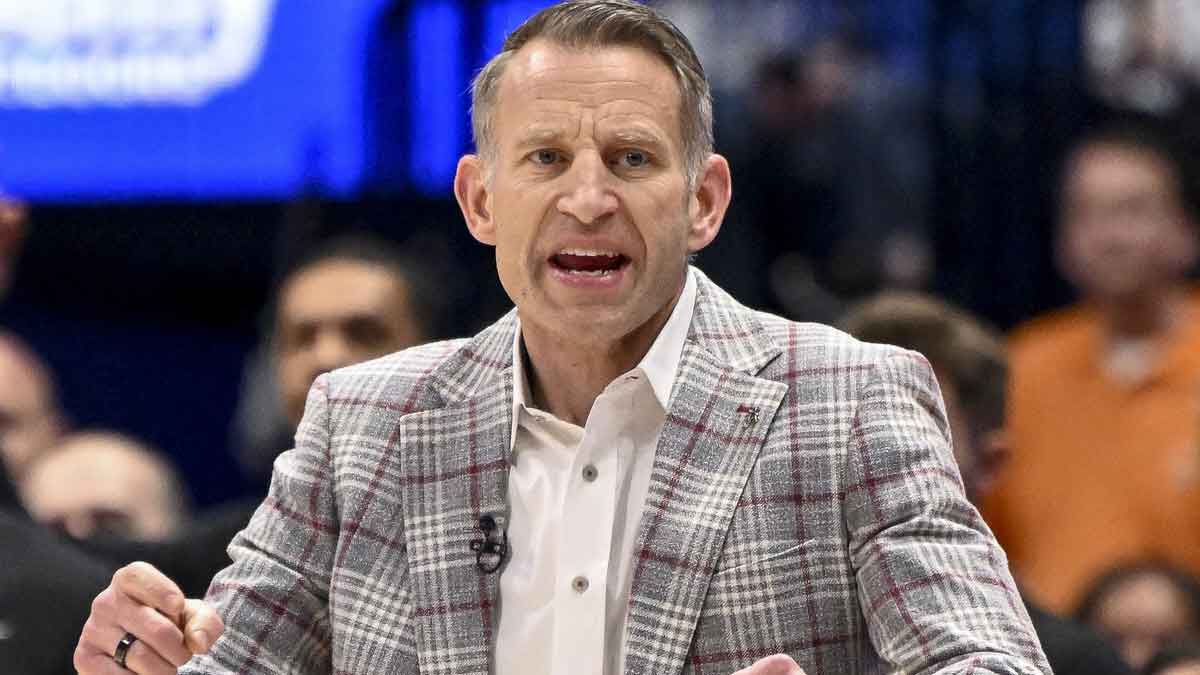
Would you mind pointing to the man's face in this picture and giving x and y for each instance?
(333, 314)
(586, 197)
(101, 485)
(29, 422)
(1124, 230)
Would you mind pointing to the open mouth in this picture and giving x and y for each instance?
(588, 263)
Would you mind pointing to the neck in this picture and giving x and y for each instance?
(1146, 316)
(567, 372)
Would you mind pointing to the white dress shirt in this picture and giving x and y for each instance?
(576, 497)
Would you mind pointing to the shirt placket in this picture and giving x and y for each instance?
(585, 545)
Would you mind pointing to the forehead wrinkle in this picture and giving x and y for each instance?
(631, 125)
(603, 94)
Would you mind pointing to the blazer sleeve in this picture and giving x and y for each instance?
(933, 584)
(274, 598)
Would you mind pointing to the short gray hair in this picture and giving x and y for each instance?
(586, 24)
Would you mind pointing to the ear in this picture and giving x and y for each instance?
(994, 452)
(474, 199)
(707, 206)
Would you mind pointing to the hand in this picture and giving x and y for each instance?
(776, 664)
(143, 601)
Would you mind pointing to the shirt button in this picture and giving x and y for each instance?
(590, 473)
(579, 584)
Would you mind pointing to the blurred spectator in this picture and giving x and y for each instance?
(1143, 54)
(351, 299)
(969, 362)
(46, 589)
(1143, 608)
(1177, 659)
(13, 222)
(30, 419)
(835, 174)
(1105, 401)
(105, 484)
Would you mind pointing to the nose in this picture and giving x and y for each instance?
(589, 198)
(332, 351)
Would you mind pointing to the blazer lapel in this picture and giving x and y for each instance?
(454, 468)
(718, 419)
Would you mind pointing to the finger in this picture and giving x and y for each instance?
(102, 638)
(202, 625)
(93, 663)
(146, 585)
(153, 630)
(776, 664)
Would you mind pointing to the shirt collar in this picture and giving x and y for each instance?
(659, 365)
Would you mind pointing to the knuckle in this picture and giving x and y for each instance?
(89, 629)
(135, 573)
(122, 574)
(158, 634)
(103, 603)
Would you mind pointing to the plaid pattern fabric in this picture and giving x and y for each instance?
(803, 500)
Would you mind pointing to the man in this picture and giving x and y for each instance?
(972, 369)
(30, 420)
(1106, 394)
(348, 300)
(105, 484)
(630, 473)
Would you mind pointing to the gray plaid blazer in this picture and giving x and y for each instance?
(804, 499)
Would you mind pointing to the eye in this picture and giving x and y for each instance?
(634, 159)
(546, 157)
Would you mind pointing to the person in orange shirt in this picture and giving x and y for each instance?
(1105, 396)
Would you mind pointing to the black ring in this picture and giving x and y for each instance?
(122, 649)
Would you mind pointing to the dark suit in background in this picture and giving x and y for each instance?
(46, 591)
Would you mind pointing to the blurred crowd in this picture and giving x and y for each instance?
(1077, 433)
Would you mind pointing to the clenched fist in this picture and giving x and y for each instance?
(144, 603)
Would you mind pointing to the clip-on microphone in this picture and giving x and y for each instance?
(491, 550)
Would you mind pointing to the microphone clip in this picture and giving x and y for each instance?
(492, 548)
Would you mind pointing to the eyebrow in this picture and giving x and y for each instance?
(636, 136)
(539, 135)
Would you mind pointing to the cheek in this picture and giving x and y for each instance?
(293, 370)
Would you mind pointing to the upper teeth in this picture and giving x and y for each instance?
(586, 252)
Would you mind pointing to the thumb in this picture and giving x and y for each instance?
(776, 664)
(201, 625)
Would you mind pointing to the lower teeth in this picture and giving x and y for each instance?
(591, 273)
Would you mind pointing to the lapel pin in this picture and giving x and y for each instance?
(749, 415)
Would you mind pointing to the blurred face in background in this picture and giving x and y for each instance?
(586, 199)
(13, 221)
(1143, 614)
(1124, 231)
(979, 450)
(99, 484)
(335, 313)
(29, 418)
